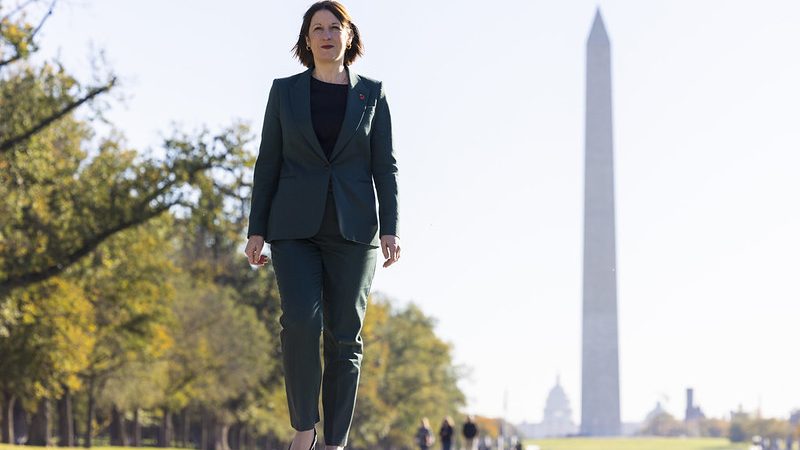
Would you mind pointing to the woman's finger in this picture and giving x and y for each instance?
(248, 252)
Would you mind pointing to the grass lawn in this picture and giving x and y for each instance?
(635, 444)
(551, 444)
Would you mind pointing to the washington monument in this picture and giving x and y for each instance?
(600, 363)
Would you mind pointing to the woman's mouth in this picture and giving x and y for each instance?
(327, 47)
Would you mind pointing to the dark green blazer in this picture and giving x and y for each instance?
(292, 173)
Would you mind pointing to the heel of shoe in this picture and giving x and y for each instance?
(313, 443)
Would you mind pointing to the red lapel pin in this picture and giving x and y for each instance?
(361, 96)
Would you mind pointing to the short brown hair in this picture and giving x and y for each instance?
(337, 9)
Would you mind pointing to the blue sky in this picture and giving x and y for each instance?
(487, 104)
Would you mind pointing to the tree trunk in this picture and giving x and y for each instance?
(137, 429)
(203, 429)
(221, 435)
(241, 432)
(40, 424)
(21, 424)
(87, 439)
(66, 438)
(8, 417)
(117, 430)
(76, 422)
(185, 422)
(165, 436)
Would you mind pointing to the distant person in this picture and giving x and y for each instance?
(446, 433)
(756, 443)
(424, 436)
(470, 432)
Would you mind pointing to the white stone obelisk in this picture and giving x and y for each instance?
(600, 414)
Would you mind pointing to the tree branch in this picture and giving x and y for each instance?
(18, 9)
(17, 54)
(10, 143)
(71, 258)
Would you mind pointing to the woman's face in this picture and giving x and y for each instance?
(327, 37)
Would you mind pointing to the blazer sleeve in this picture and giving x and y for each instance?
(384, 166)
(268, 166)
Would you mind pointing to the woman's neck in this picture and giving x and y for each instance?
(330, 73)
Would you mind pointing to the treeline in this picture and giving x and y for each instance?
(742, 427)
(127, 314)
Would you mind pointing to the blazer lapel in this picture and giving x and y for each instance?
(301, 107)
(354, 111)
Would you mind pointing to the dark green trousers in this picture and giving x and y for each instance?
(324, 282)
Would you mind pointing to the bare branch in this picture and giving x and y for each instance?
(10, 60)
(41, 23)
(19, 8)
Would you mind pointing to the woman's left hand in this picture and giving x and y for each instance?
(391, 249)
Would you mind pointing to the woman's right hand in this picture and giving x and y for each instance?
(253, 251)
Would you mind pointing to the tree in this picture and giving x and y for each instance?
(663, 424)
(61, 201)
(222, 357)
(408, 373)
(46, 335)
(28, 118)
(126, 280)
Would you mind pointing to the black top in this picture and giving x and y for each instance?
(328, 102)
(446, 433)
(470, 430)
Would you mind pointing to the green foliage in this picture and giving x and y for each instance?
(65, 191)
(46, 334)
(664, 424)
(126, 280)
(223, 351)
(743, 428)
(407, 374)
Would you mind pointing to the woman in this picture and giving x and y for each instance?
(446, 433)
(326, 139)
(424, 435)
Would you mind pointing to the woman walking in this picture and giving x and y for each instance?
(326, 141)
(424, 435)
(446, 433)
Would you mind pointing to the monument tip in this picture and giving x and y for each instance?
(598, 33)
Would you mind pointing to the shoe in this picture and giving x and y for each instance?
(313, 443)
